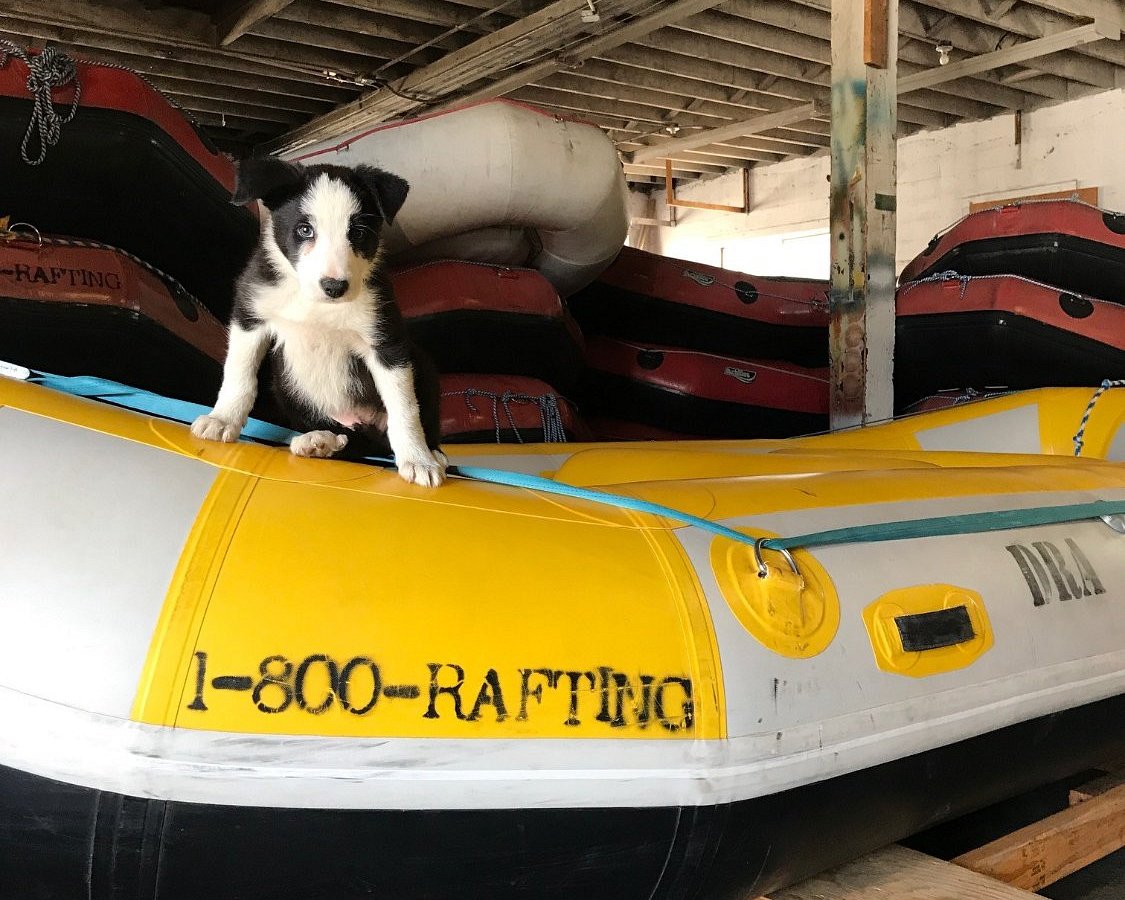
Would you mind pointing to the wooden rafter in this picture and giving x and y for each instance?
(735, 129)
(1015, 54)
(245, 16)
(487, 56)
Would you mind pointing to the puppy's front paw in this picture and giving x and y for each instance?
(321, 444)
(212, 428)
(426, 468)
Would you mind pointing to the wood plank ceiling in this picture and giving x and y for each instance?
(657, 75)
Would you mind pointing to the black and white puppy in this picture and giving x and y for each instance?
(315, 296)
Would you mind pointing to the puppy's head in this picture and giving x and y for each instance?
(325, 221)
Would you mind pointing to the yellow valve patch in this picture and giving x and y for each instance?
(792, 612)
(928, 629)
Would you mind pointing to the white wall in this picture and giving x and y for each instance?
(1070, 145)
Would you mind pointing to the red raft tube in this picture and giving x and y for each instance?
(129, 169)
(703, 394)
(648, 298)
(1067, 243)
(73, 308)
(1002, 331)
(487, 319)
(506, 409)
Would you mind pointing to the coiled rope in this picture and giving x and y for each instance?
(46, 71)
(549, 415)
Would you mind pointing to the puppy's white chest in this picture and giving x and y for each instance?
(321, 364)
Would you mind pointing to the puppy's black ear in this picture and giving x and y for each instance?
(389, 190)
(267, 179)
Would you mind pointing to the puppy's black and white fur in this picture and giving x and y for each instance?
(314, 295)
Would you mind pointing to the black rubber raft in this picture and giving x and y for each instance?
(129, 170)
(1002, 331)
(74, 309)
(1067, 243)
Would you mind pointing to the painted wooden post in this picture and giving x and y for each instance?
(862, 212)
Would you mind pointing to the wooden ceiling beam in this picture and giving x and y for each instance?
(244, 17)
(145, 56)
(1017, 53)
(168, 30)
(491, 53)
(735, 129)
(462, 68)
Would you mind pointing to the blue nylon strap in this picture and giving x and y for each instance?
(972, 523)
(153, 404)
(538, 483)
(941, 526)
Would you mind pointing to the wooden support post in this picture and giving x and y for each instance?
(862, 215)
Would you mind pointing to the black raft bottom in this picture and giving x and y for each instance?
(106, 342)
(994, 349)
(619, 397)
(60, 841)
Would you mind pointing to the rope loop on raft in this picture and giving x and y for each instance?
(46, 71)
(1079, 437)
(549, 416)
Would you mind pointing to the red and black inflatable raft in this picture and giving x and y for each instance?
(487, 319)
(703, 394)
(129, 170)
(1002, 331)
(506, 409)
(84, 310)
(1067, 243)
(656, 299)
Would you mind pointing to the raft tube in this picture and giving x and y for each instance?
(487, 319)
(500, 182)
(1002, 331)
(129, 170)
(702, 394)
(647, 298)
(78, 308)
(228, 672)
(1067, 243)
(506, 409)
(658, 722)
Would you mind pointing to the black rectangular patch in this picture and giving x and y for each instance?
(933, 630)
(886, 202)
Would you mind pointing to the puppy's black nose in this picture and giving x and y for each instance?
(334, 287)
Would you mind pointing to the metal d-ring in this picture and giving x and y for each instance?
(763, 569)
(12, 234)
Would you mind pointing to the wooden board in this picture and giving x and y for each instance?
(1055, 847)
(1086, 195)
(897, 873)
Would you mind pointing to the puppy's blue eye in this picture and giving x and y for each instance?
(304, 231)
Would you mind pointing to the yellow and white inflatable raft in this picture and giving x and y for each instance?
(227, 672)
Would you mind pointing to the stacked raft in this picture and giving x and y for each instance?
(678, 348)
(1020, 296)
(120, 245)
(508, 351)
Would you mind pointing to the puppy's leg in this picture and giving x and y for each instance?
(416, 462)
(245, 351)
(318, 443)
